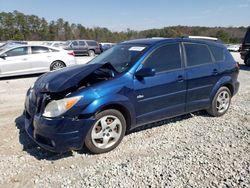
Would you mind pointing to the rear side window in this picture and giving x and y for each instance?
(218, 53)
(17, 52)
(165, 58)
(197, 54)
(39, 49)
(91, 43)
(81, 43)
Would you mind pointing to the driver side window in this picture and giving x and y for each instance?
(164, 58)
(17, 52)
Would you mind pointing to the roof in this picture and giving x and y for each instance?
(157, 40)
(150, 41)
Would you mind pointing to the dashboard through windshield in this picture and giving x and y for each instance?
(121, 56)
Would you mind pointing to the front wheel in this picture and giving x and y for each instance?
(220, 103)
(57, 65)
(107, 132)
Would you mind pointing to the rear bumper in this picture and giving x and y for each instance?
(57, 135)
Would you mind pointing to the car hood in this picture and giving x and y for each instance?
(64, 79)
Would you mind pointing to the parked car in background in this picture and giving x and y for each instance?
(30, 59)
(9, 44)
(134, 83)
(83, 47)
(105, 46)
(245, 48)
(233, 47)
(56, 44)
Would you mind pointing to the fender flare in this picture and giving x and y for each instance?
(226, 80)
(112, 100)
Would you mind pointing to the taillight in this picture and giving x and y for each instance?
(98, 46)
(71, 53)
(237, 65)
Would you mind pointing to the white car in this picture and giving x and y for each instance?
(30, 59)
(234, 48)
(56, 44)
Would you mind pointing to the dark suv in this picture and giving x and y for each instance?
(83, 47)
(245, 48)
(132, 84)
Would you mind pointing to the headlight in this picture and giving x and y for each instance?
(57, 108)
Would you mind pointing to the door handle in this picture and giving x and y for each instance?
(24, 59)
(180, 78)
(215, 72)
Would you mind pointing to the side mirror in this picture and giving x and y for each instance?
(3, 56)
(145, 72)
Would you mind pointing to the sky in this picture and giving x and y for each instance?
(118, 15)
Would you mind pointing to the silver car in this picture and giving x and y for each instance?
(30, 59)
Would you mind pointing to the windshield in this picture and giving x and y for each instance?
(121, 56)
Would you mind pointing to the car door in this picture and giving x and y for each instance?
(41, 58)
(162, 95)
(202, 75)
(75, 47)
(83, 48)
(15, 62)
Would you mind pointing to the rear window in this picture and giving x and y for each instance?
(218, 53)
(91, 43)
(39, 49)
(197, 54)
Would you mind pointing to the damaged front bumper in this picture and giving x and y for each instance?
(57, 135)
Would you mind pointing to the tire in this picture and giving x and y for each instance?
(247, 61)
(220, 103)
(104, 128)
(91, 53)
(57, 65)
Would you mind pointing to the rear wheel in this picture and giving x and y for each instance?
(247, 61)
(91, 53)
(107, 132)
(57, 65)
(221, 102)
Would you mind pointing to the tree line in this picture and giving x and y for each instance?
(18, 26)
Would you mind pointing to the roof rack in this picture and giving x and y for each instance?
(201, 38)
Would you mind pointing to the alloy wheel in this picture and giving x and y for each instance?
(106, 132)
(223, 101)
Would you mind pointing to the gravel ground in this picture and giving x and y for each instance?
(194, 150)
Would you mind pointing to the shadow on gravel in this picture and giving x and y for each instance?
(244, 67)
(167, 121)
(32, 148)
(39, 153)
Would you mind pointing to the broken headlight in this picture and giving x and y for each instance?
(58, 107)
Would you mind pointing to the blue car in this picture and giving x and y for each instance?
(134, 83)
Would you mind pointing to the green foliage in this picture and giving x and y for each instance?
(18, 26)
